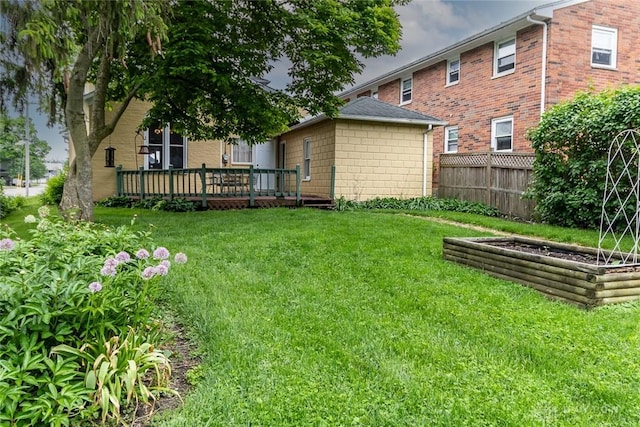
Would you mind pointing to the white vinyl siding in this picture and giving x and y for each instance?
(604, 44)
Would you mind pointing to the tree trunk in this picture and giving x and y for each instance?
(77, 196)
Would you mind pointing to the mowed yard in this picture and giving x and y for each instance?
(317, 318)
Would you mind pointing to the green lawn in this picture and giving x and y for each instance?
(324, 318)
(316, 318)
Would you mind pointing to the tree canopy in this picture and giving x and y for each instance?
(12, 158)
(200, 62)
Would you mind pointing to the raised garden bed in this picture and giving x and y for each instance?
(563, 272)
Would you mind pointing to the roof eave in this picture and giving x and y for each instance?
(503, 29)
(424, 122)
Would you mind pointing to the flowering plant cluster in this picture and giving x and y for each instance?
(66, 296)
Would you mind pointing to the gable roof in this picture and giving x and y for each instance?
(500, 31)
(368, 109)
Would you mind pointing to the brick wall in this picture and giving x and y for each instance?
(478, 97)
(569, 59)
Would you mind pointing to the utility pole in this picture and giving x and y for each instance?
(27, 166)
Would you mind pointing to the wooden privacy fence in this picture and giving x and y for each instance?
(496, 179)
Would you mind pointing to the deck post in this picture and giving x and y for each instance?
(252, 192)
(488, 178)
(332, 191)
(119, 180)
(171, 182)
(141, 173)
(298, 193)
(203, 179)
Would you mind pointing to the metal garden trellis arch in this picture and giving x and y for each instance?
(620, 219)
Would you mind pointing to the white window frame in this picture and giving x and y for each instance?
(496, 57)
(494, 133)
(613, 46)
(241, 144)
(450, 62)
(403, 90)
(447, 139)
(165, 149)
(306, 157)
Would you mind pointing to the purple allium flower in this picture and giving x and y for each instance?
(30, 219)
(108, 271)
(7, 244)
(95, 287)
(180, 258)
(161, 270)
(111, 263)
(123, 257)
(148, 273)
(166, 263)
(161, 253)
(142, 254)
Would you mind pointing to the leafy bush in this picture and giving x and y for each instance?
(9, 204)
(571, 145)
(52, 194)
(78, 338)
(153, 203)
(418, 204)
(116, 202)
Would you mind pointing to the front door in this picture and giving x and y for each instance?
(265, 158)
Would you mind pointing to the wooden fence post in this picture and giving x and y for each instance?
(488, 195)
(141, 172)
(332, 191)
(170, 182)
(119, 180)
(252, 193)
(298, 193)
(203, 178)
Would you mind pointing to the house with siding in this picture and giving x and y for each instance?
(492, 87)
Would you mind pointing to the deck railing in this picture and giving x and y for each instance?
(205, 183)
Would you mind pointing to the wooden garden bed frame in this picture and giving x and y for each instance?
(578, 283)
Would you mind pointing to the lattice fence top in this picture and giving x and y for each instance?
(510, 160)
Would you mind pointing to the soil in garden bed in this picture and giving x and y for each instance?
(549, 250)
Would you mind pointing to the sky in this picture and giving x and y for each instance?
(427, 26)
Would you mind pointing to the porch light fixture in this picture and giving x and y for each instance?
(144, 149)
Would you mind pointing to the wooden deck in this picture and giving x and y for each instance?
(221, 188)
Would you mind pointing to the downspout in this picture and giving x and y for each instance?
(543, 83)
(425, 159)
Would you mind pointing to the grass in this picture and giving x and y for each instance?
(325, 318)
(312, 318)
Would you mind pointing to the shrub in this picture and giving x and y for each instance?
(52, 194)
(418, 204)
(571, 145)
(78, 337)
(9, 204)
(116, 202)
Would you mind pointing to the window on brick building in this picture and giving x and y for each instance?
(504, 57)
(502, 134)
(603, 47)
(453, 71)
(166, 148)
(451, 139)
(406, 88)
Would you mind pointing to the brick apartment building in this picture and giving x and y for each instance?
(491, 87)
